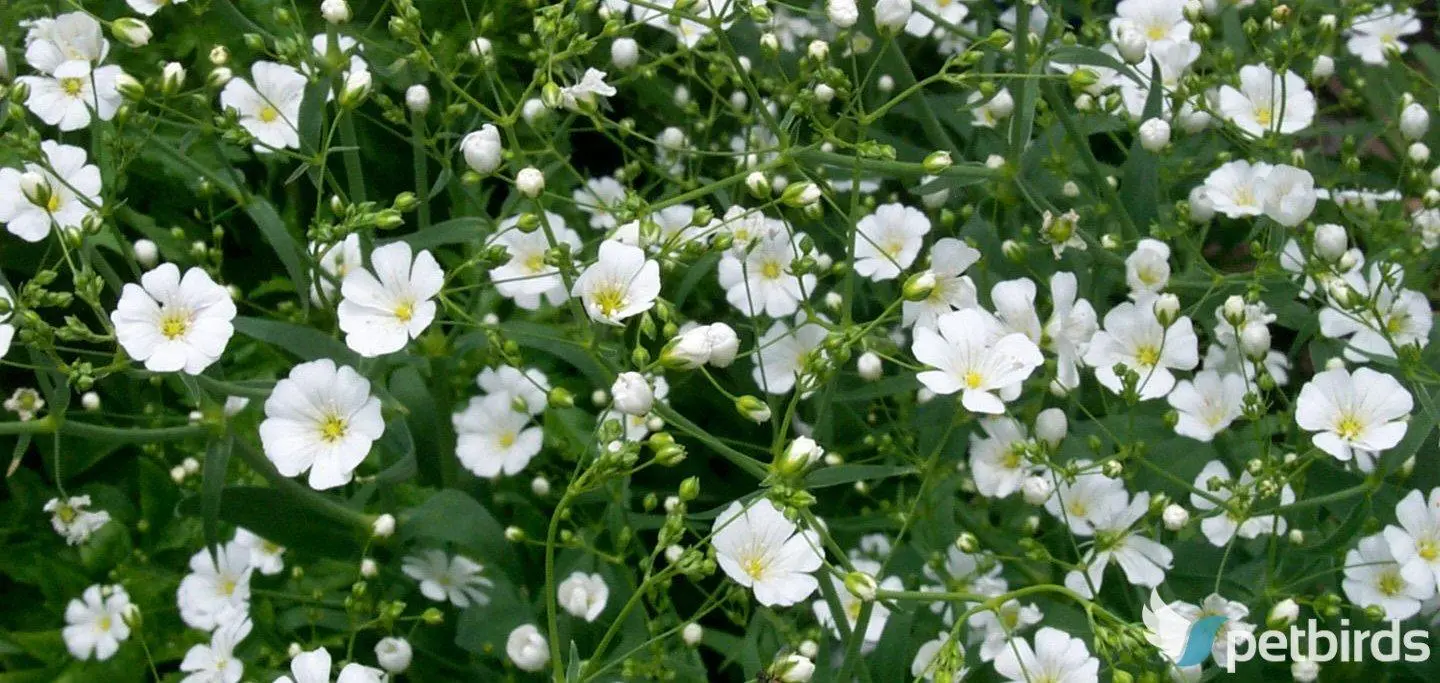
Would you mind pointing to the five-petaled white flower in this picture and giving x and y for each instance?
(172, 322)
(269, 109)
(598, 197)
(217, 589)
(1415, 543)
(60, 193)
(1056, 656)
(622, 283)
(66, 97)
(70, 518)
(1069, 329)
(314, 667)
(583, 595)
(1143, 560)
(216, 662)
(321, 418)
(592, 85)
(1373, 576)
(759, 549)
(527, 388)
(1222, 527)
(949, 258)
(1134, 338)
(443, 578)
(1356, 414)
(1208, 404)
(850, 605)
(95, 622)
(266, 557)
(526, 277)
(380, 312)
(780, 353)
(492, 438)
(888, 240)
(970, 353)
(1268, 102)
(1374, 35)
(71, 36)
(759, 281)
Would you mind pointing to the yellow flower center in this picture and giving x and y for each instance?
(1157, 32)
(771, 269)
(227, 587)
(507, 439)
(333, 428)
(404, 311)
(1078, 508)
(72, 86)
(1263, 116)
(1390, 583)
(973, 380)
(1395, 324)
(535, 262)
(174, 324)
(852, 611)
(105, 623)
(1349, 427)
(1013, 457)
(270, 548)
(754, 566)
(66, 514)
(893, 248)
(1427, 550)
(1147, 355)
(269, 114)
(53, 203)
(609, 299)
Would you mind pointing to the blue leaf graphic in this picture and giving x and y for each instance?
(1198, 644)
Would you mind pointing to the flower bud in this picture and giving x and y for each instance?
(1255, 340)
(172, 78)
(1154, 134)
(369, 569)
(1131, 43)
(892, 15)
(631, 394)
(1234, 310)
(967, 543)
(335, 12)
(129, 87)
(131, 31)
(869, 366)
(1036, 489)
(480, 47)
(1175, 517)
(1418, 152)
(393, 654)
(842, 13)
(936, 162)
(36, 188)
(758, 185)
(692, 634)
(919, 286)
(752, 409)
(219, 55)
(530, 181)
(800, 194)
(384, 526)
(861, 585)
(417, 98)
(624, 53)
(482, 149)
(514, 534)
(792, 668)
(818, 50)
(1166, 308)
(218, 76)
(1283, 614)
(799, 456)
(724, 344)
(1051, 426)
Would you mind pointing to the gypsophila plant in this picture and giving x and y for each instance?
(719, 340)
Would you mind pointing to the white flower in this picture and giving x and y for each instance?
(950, 12)
(1289, 194)
(65, 97)
(759, 549)
(492, 439)
(1264, 103)
(1083, 502)
(993, 110)
(530, 387)
(443, 578)
(622, 283)
(1414, 121)
(1207, 405)
(70, 518)
(269, 109)
(393, 654)
(1056, 656)
(851, 605)
(217, 589)
(1000, 625)
(631, 394)
(321, 418)
(335, 11)
(216, 662)
(1134, 338)
(1152, 20)
(1415, 543)
(971, 354)
(482, 149)
(1403, 314)
(1361, 413)
(780, 354)
(1373, 35)
(266, 557)
(527, 648)
(598, 197)
(892, 15)
(1154, 133)
(72, 36)
(174, 323)
(584, 93)
(95, 622)
(1373, 577)
(1147, 269)
(526, 278)
(25, 403)
(1237, 188)
(314, 667)
(380, 312)
(714, 344)
(1014, 302)
(1219, 529)
(335, 261)
(888, 240)
(1069, 329)
(530, 181)
(794, 668)
(29, 214)
(1143, 560)
(583, 595)
(937, 657)
(1214, 604)
(949, 258)
(759, 282)
(842, 13)
(998, 460)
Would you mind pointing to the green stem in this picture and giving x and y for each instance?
(422, 175)
(751, 466)
(1098, 178)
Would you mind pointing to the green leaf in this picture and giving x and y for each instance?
(451, 516)
(284, 244)
(312, 115)
(306, 343)
(1139, 186)
(464, 230)
(217, 461)
(1089, 56)
(847, 474)
(397, 440)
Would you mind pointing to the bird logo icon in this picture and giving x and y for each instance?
(1182, 641)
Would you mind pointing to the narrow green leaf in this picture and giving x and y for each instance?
(306, 343)
(276, 516)
(464, 230)
(217, 461)
(848, 474)
(286, 247)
